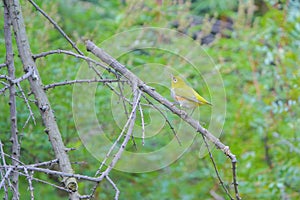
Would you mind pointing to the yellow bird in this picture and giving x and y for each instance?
(185, 95)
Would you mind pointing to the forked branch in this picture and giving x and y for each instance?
(134, 80)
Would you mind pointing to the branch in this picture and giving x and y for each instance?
(53, 172)
(215, 168)
(155, 95)
(12, 100)
(115, 187)
(3, 65)
(53, 85)
(73, 44)
(31, 115)
(12, 80)
(59, 51)
(40, 95)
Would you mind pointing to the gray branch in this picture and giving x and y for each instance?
(12, 100)
(134, 80)
(41, 98)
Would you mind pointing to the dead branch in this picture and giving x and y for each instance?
(73, 44)
(53, 85)
(215, 168)
(12, 101)
(40, 96)
(134, 80)
(3, 65)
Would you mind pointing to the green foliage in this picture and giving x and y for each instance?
(259, 65)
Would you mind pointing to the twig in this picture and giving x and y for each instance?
(4, 186)
(123, 99)
(48, 183)
(130, 123)
(165, 117)
(73, 44)
(53, 172)
(114, 144)
(115, 187)
(4, 89)
(50, 162)
(3, 65)
(215, 168)
(31, 115)
(59, 51)
(8, 171)
(143, 124)
(29, 179)
(155, 95)
(4, 164)
(18, 80)
(53, 85)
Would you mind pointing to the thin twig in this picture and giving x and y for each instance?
(29, 179)
(73, 44)
(115, 187)
(165, 117)
(53, 85)
(130, 123)
(53, 172)
(143, 124)
(8, 171)
(4, 164)
(4, 89)
(216, 169)
(123, 99)
(60, 51)
(4, 186)
(48, 183)
(3, 65)
(115, 143)
(50, 162)
(31, 114)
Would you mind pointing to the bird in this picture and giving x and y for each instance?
(185, 95)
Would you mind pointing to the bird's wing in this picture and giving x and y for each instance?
(187, 93)
(190, 94)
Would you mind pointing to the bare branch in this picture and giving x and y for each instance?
(53, 172)
(8, 171)
(88, 59)
(143, 124)
(215, 168)
(50, 162)
(115, 187)
(4, 89)
(73, 44)
(31, 115)
(29, 179)
(130, 123)
(12, 100)
(165, 117)
(53, 85)
(12, 80)
(3, 65)
(155, 95)
(39, 93)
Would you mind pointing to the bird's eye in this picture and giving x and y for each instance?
(174, 79)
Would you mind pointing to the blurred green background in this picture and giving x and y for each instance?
(254, 44)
